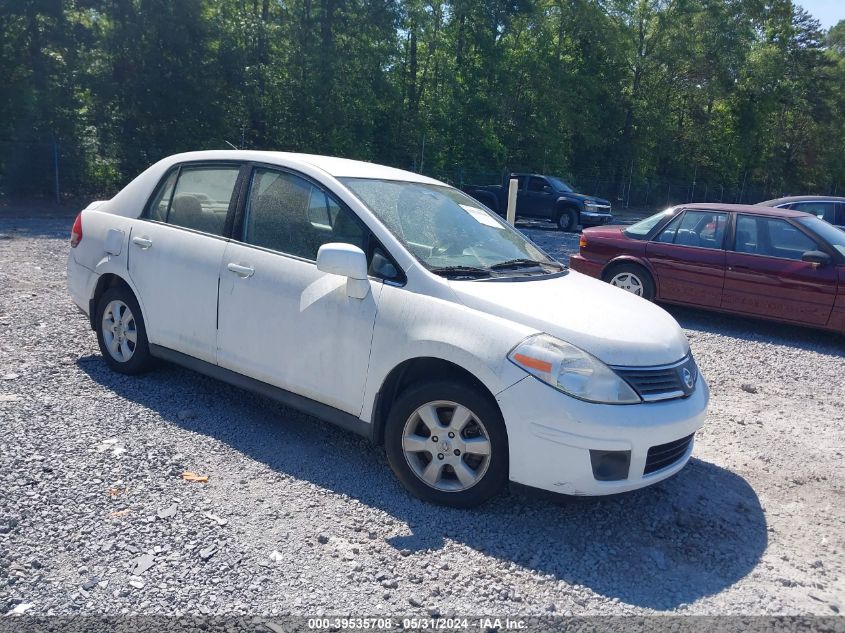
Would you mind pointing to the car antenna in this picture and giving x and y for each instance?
(229, 144)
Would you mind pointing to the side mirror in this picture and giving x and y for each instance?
(347, 261)
(816, 257)
(547, 188)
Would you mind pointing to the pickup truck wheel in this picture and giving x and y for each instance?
(447, 444)
(121, 333)
(631, 277)
(567, 220)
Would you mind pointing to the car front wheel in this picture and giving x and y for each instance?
(447, 444)
(567, 220)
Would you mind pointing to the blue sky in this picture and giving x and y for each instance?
(828, 12)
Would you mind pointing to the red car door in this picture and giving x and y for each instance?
(765, 275)
(688, 258)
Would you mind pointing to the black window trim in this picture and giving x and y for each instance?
(177, 168)
(371, 241)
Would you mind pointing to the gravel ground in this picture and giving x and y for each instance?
(298, 517)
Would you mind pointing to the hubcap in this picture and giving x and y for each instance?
(120, 332)
(446, 445)
(628, 281)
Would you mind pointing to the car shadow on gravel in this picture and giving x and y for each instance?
(759, 330)
(686, 538)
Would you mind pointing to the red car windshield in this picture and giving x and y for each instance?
(642, 228)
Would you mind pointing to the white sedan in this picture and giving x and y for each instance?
(394, 306)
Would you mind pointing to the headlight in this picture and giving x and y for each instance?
(571, 370)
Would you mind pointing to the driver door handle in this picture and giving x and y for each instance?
(240, 270)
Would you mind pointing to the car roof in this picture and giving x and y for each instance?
(332, 165)
(788, 199)
(745, 208)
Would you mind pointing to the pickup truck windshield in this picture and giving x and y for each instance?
(450, 233)
(558, 184)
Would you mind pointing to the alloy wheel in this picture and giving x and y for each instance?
(628, 281)
(446, 445)
(120, 332)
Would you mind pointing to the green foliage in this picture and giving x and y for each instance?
(722, 91)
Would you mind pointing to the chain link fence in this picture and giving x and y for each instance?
(45, 170)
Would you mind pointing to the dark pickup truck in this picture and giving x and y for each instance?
(545, 197)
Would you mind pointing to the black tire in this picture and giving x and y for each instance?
(567, 220)
(140, 359)
(638, 272)
(493, 478)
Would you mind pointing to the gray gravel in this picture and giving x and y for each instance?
(298, 517)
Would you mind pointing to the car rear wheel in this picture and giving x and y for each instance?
(121, 333)
(447, 444)
(567, 220)
(632, 278)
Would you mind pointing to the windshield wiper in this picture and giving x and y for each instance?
(524, 263)
(461, 271)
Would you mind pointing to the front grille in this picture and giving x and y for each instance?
(664, 382)
(664, 455)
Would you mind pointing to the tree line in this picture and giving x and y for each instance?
(714, 90)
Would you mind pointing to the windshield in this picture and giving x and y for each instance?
(449, 232)
(643, 227)
(558, 184)
(829, 233)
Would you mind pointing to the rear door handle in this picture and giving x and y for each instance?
(143, 242)
(240, 270)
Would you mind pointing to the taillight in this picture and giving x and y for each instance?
(76, 232)
(582, 243)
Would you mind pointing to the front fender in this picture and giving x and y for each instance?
(569, 202)
(411, 325)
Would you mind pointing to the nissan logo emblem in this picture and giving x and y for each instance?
(686, 374)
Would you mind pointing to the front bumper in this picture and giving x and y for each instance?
(551, 436)
(593, 218)
(581, 264)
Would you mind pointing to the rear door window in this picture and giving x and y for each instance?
(160, 203)
(201, 198)
(195, 198)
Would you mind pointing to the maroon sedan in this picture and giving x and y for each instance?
(777, 264)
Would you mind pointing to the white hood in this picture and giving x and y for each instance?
(613, 325)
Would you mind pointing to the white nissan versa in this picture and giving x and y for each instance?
(395, 306)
